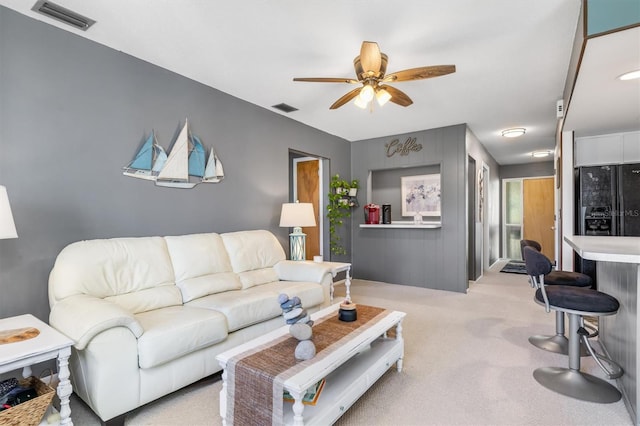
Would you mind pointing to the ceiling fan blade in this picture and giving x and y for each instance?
(362, 75)
(397, 96)
(346, 98)
(358, 66)
(370, 57)
(327, 80)
(420, 73)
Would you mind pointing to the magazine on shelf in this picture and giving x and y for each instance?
(311, 397)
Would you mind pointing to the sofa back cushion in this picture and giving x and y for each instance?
(253, 255)
(135, 273)
(201, 265)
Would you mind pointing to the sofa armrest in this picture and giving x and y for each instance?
(291, 270)
(82, 317)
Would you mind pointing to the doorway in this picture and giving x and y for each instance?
(307, 188)
(538, 222)
(528, 213)
(475, 230)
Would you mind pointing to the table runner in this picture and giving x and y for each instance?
(255, 378)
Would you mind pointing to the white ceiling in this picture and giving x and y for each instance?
(511, 56)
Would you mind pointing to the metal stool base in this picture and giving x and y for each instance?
(558, 344)
(577, 385)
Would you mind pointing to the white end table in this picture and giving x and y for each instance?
(49, 344)
(337, 267)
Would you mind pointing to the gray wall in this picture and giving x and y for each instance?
(491, 210)
(432, 258)
(538, 169)
(73, 112)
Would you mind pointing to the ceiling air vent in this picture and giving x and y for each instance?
(285, 108)
(62, 14)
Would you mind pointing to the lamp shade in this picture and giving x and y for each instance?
(297, 215)
(7, 226)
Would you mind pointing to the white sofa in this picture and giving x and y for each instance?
(149, 315)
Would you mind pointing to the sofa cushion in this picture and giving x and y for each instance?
(256, 250)
(242, 308)
(250, 306)
(148, 299)
(257, 277)
(121, 267)
(311, 294)
(172, 332)
(201, 265)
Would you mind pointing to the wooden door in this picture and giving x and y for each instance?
(537, 211)
(308, 191)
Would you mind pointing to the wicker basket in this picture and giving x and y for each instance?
(29, 412)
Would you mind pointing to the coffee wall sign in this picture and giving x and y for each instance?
(396, 147)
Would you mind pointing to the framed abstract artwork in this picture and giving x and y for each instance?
(421, 194)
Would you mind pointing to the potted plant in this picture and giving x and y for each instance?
(339, 208)
(353, 188)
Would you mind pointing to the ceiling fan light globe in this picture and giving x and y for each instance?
(366, 93)
(360, 103)
(382, 96)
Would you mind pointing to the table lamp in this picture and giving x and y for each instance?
(8, 230)
(7, 226)
(296, 215)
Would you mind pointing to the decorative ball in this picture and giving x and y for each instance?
(301, 331)
(305, 350)
(282, 298)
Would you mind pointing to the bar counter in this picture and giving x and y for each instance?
(618, 274)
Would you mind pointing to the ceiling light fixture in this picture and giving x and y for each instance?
(514, 133)
(540, 154)
(360, 103)
(366, 93)
(382, 96)
(629, 75)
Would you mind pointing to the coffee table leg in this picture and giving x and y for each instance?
(298, 408)
(399, 337)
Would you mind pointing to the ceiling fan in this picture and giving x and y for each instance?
(371, 66)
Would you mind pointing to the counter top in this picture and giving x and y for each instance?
(608, 249)
(404, 224)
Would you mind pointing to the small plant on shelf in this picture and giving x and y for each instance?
(342, 196)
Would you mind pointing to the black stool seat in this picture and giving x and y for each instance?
(585, 300)
(567, 278)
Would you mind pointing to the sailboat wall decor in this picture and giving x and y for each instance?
(184, 167)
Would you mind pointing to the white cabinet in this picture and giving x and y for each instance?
(598, 150)
(631, 147)
(616, 148)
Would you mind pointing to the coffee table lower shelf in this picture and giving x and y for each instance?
(348, 382)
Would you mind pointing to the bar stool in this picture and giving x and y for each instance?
(576, 302)
(557, 343)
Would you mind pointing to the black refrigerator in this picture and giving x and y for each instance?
(607, 203)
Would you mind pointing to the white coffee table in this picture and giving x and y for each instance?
(349, 371)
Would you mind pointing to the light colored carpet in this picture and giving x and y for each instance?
(467, 362)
